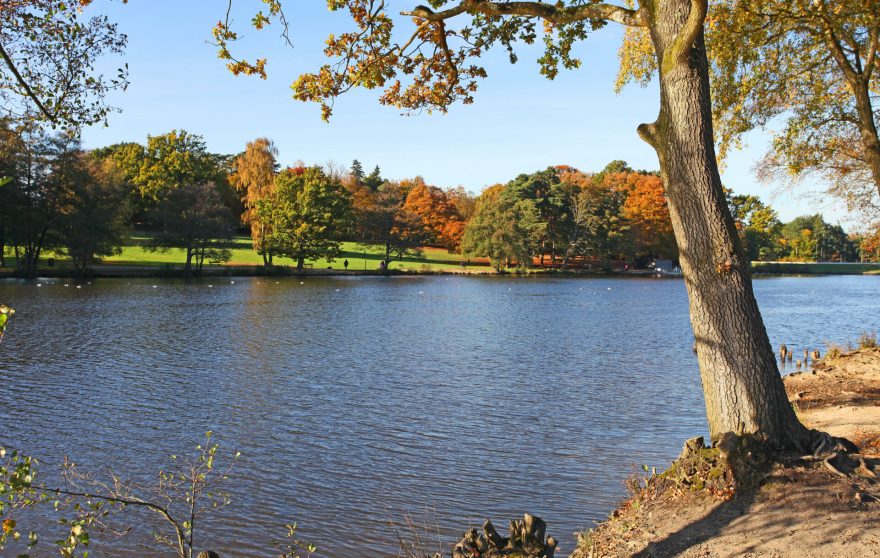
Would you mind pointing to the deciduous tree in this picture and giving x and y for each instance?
(437, 64)
(34, 194)
(48, 54)
(307, 213)
(253, 176)
(195, 219)
(647, 213)
(758, 225)
(814, 64)
(495, 232)
(439, 215)
(382, 219)
(92, 211)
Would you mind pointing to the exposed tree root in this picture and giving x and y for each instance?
(838, 455)
(828, 465)
(823, 443)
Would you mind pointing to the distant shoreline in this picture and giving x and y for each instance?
(108, 271)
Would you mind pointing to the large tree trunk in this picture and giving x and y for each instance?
(868, 131)
(741, 383)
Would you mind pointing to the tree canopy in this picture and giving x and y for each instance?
(253, 175)
(307, 214)
(814, 64)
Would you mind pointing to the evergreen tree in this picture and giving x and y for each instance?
(374, 180)
(357, 171)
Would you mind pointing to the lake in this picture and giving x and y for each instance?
(355, 400)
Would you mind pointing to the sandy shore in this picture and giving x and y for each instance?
(797, 511)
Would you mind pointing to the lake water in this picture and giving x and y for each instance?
(356, 400)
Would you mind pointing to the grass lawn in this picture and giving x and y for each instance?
(359, 257)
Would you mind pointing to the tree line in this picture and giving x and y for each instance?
(83, 205)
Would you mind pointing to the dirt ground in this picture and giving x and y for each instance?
(799, 510)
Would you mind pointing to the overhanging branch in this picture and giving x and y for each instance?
(558, 15)
(25, 85)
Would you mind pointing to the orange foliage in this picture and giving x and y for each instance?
(870, 245)
(437, 212)
(646, 210)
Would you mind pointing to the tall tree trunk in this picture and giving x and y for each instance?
(868, 130)
(743, 389)
(187, 268)
(300, 264)
(387, 257)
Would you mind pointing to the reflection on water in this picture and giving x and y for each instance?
(354, 400)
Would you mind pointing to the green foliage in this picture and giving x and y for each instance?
(32, 203)
(758, 226)
(307, 213)
(808, 70)
(92, 210)
(810, 238)
(546, 213)
(49, 55)
(373, 180)
(495, 232)
(182, 496)
(17, 477)
(293, 546)
(195, 219)
(5, 314)
(382, 218)
(357, 171)
(170, 161)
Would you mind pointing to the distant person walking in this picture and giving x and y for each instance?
(345, 263)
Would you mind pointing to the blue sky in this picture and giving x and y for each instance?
(520, 122)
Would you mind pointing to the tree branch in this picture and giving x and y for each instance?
(128, 502)
(558, 15)
(872, 52)
(680, 48)
(25, 85)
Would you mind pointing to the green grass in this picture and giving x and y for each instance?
(359, 257)
(816, 268)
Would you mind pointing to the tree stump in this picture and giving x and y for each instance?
(526, 538)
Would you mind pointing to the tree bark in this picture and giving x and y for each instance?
(743, 389)
(868, 130)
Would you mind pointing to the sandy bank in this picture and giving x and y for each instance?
(796, 511)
